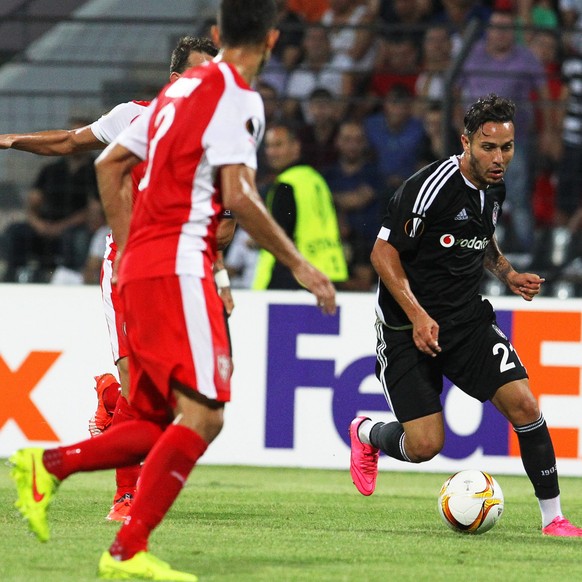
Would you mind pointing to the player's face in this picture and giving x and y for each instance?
(487, 153)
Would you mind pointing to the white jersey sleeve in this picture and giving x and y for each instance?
(237, 126)
(135, 137)
(110, 125)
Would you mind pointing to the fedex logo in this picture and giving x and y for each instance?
(532, 333)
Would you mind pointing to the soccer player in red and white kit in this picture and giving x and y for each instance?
(200, 138)
(113, 406)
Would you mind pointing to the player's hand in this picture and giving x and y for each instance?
(526, 285)
(5, 142)
(316, 282)
(226, 296)
(425, 333)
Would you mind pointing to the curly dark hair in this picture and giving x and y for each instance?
(187, 45)
(489, 108)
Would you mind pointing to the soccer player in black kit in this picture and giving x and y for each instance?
(436, 238)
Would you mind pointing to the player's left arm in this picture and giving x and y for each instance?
(526, 285)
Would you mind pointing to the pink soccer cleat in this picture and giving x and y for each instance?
(363, 460)
(561, 527)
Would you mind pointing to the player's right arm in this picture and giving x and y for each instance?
(526, 285)
(386, 261)
(53, 142)
(240, 195)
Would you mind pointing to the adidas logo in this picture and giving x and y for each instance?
(462, 215)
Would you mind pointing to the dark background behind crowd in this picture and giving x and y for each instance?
(376, 89)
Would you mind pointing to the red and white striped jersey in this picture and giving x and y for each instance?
(110, 125)
(208, 118)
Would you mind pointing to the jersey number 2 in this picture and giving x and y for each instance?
(183, 87)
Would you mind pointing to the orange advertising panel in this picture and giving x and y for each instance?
(534, 334)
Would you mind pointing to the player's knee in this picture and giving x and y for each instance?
(216, 422)
(423, 450)
(525, 411)
(209, 425)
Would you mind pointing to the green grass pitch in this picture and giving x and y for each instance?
(269, 524)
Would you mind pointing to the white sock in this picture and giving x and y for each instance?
(550, 509)
(364, 431)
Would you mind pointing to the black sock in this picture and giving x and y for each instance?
(538, 457)
(389, 438)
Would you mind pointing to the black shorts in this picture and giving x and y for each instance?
(476, 357)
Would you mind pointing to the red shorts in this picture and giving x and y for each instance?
(177, 332)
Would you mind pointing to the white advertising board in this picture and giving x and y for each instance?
(299, 379)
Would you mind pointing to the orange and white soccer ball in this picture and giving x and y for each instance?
(471, 501)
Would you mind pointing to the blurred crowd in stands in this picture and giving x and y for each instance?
(376, 89)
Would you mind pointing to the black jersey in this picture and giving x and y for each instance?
(441, 225)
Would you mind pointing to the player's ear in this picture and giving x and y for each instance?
(466, 144)
(272, 38)
(215, 34)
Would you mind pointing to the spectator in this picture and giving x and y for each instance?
(356, 184)
(569, 193)
(291, 29)
(241, 260)
(94, 262)
(571, 14)
(287, 51)
(318, 69)
(273, 114)
(92, 267)
(56, 231)
(456, 15)
(300, 201)
(436, 58)
(405, 16)
(498, 65)
(351, 33)
(535, 14)
(396, 64)
(395, 135)
(434, 145)
(318, 137)
(309, 10)
(544, 43)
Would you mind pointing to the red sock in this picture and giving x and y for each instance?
(164, 474)
(125, 477)
(103, 451)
